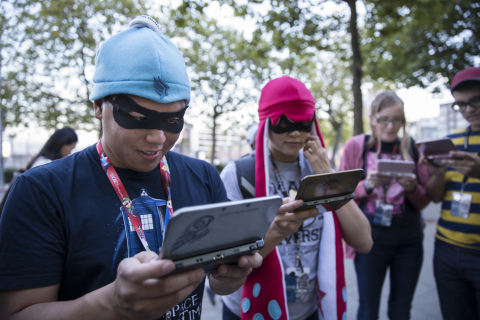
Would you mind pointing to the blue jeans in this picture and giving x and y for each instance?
(405, 263)
(457, 274)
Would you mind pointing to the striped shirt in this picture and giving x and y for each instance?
(455, 230)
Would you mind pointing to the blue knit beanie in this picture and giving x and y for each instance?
(141, 61)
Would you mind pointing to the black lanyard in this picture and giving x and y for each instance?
(279, 178)
(465, 148)
(298, 262)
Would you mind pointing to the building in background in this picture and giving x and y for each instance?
(197, 143)
(447, 122)
(194, 142)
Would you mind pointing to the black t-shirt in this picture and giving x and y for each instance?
(63, 222)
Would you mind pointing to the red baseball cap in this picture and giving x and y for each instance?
(469, 74)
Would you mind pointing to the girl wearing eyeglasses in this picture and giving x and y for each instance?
(392, 204)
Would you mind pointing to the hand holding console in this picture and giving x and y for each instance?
(435, 151)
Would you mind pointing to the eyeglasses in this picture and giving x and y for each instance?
(462, 106)
(384, 121)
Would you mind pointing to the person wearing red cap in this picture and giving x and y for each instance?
(302, 275)
(392, 206)
(457, 183)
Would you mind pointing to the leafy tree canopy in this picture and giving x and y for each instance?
(224, 68)
(413, 42)
(48, 49)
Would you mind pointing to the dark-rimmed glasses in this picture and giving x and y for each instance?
(462, 106)
(384, 121)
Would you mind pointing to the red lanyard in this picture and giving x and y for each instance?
(393, 155)
(125, 199)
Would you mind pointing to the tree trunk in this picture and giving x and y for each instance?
(356, 70)
(338, 137)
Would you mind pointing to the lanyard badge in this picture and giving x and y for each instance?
(296, 282)
(383, 214)
(461, 204)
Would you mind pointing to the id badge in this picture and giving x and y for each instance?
(297, 284)
(461, 205)
(383, 214)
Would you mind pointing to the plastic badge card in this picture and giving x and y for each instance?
(332, 190)
(213, 234)
(395, 168)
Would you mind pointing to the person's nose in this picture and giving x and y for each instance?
(294, 133)
(390, 124)
(155, 136)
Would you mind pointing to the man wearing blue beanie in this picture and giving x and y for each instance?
(79, 237)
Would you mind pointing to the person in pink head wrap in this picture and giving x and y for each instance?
(302, 275)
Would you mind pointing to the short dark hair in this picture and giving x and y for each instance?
(467, 85)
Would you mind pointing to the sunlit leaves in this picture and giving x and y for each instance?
(415, 42)
(48, 50)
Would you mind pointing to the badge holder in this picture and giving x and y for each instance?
(296, 281)
(383, 214)
(461, 203)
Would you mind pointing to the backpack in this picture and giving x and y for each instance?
(245, 167)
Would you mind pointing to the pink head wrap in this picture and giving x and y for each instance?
(281, 96)
(264, 290)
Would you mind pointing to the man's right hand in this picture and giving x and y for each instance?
(143, 289)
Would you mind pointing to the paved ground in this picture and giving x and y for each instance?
(425, 303)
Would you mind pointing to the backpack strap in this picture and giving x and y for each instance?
(364, 155)
(245, 167)
(413, 151)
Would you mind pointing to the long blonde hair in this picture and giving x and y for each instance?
(384, 100)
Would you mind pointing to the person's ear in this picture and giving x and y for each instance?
(98, 108)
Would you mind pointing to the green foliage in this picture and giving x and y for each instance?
(224, 67)
(305, 30)
(48, 48)
(413, 42)
(48, 51)
(313, 47)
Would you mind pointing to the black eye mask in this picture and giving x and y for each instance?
(166, 121)
(285, 125)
